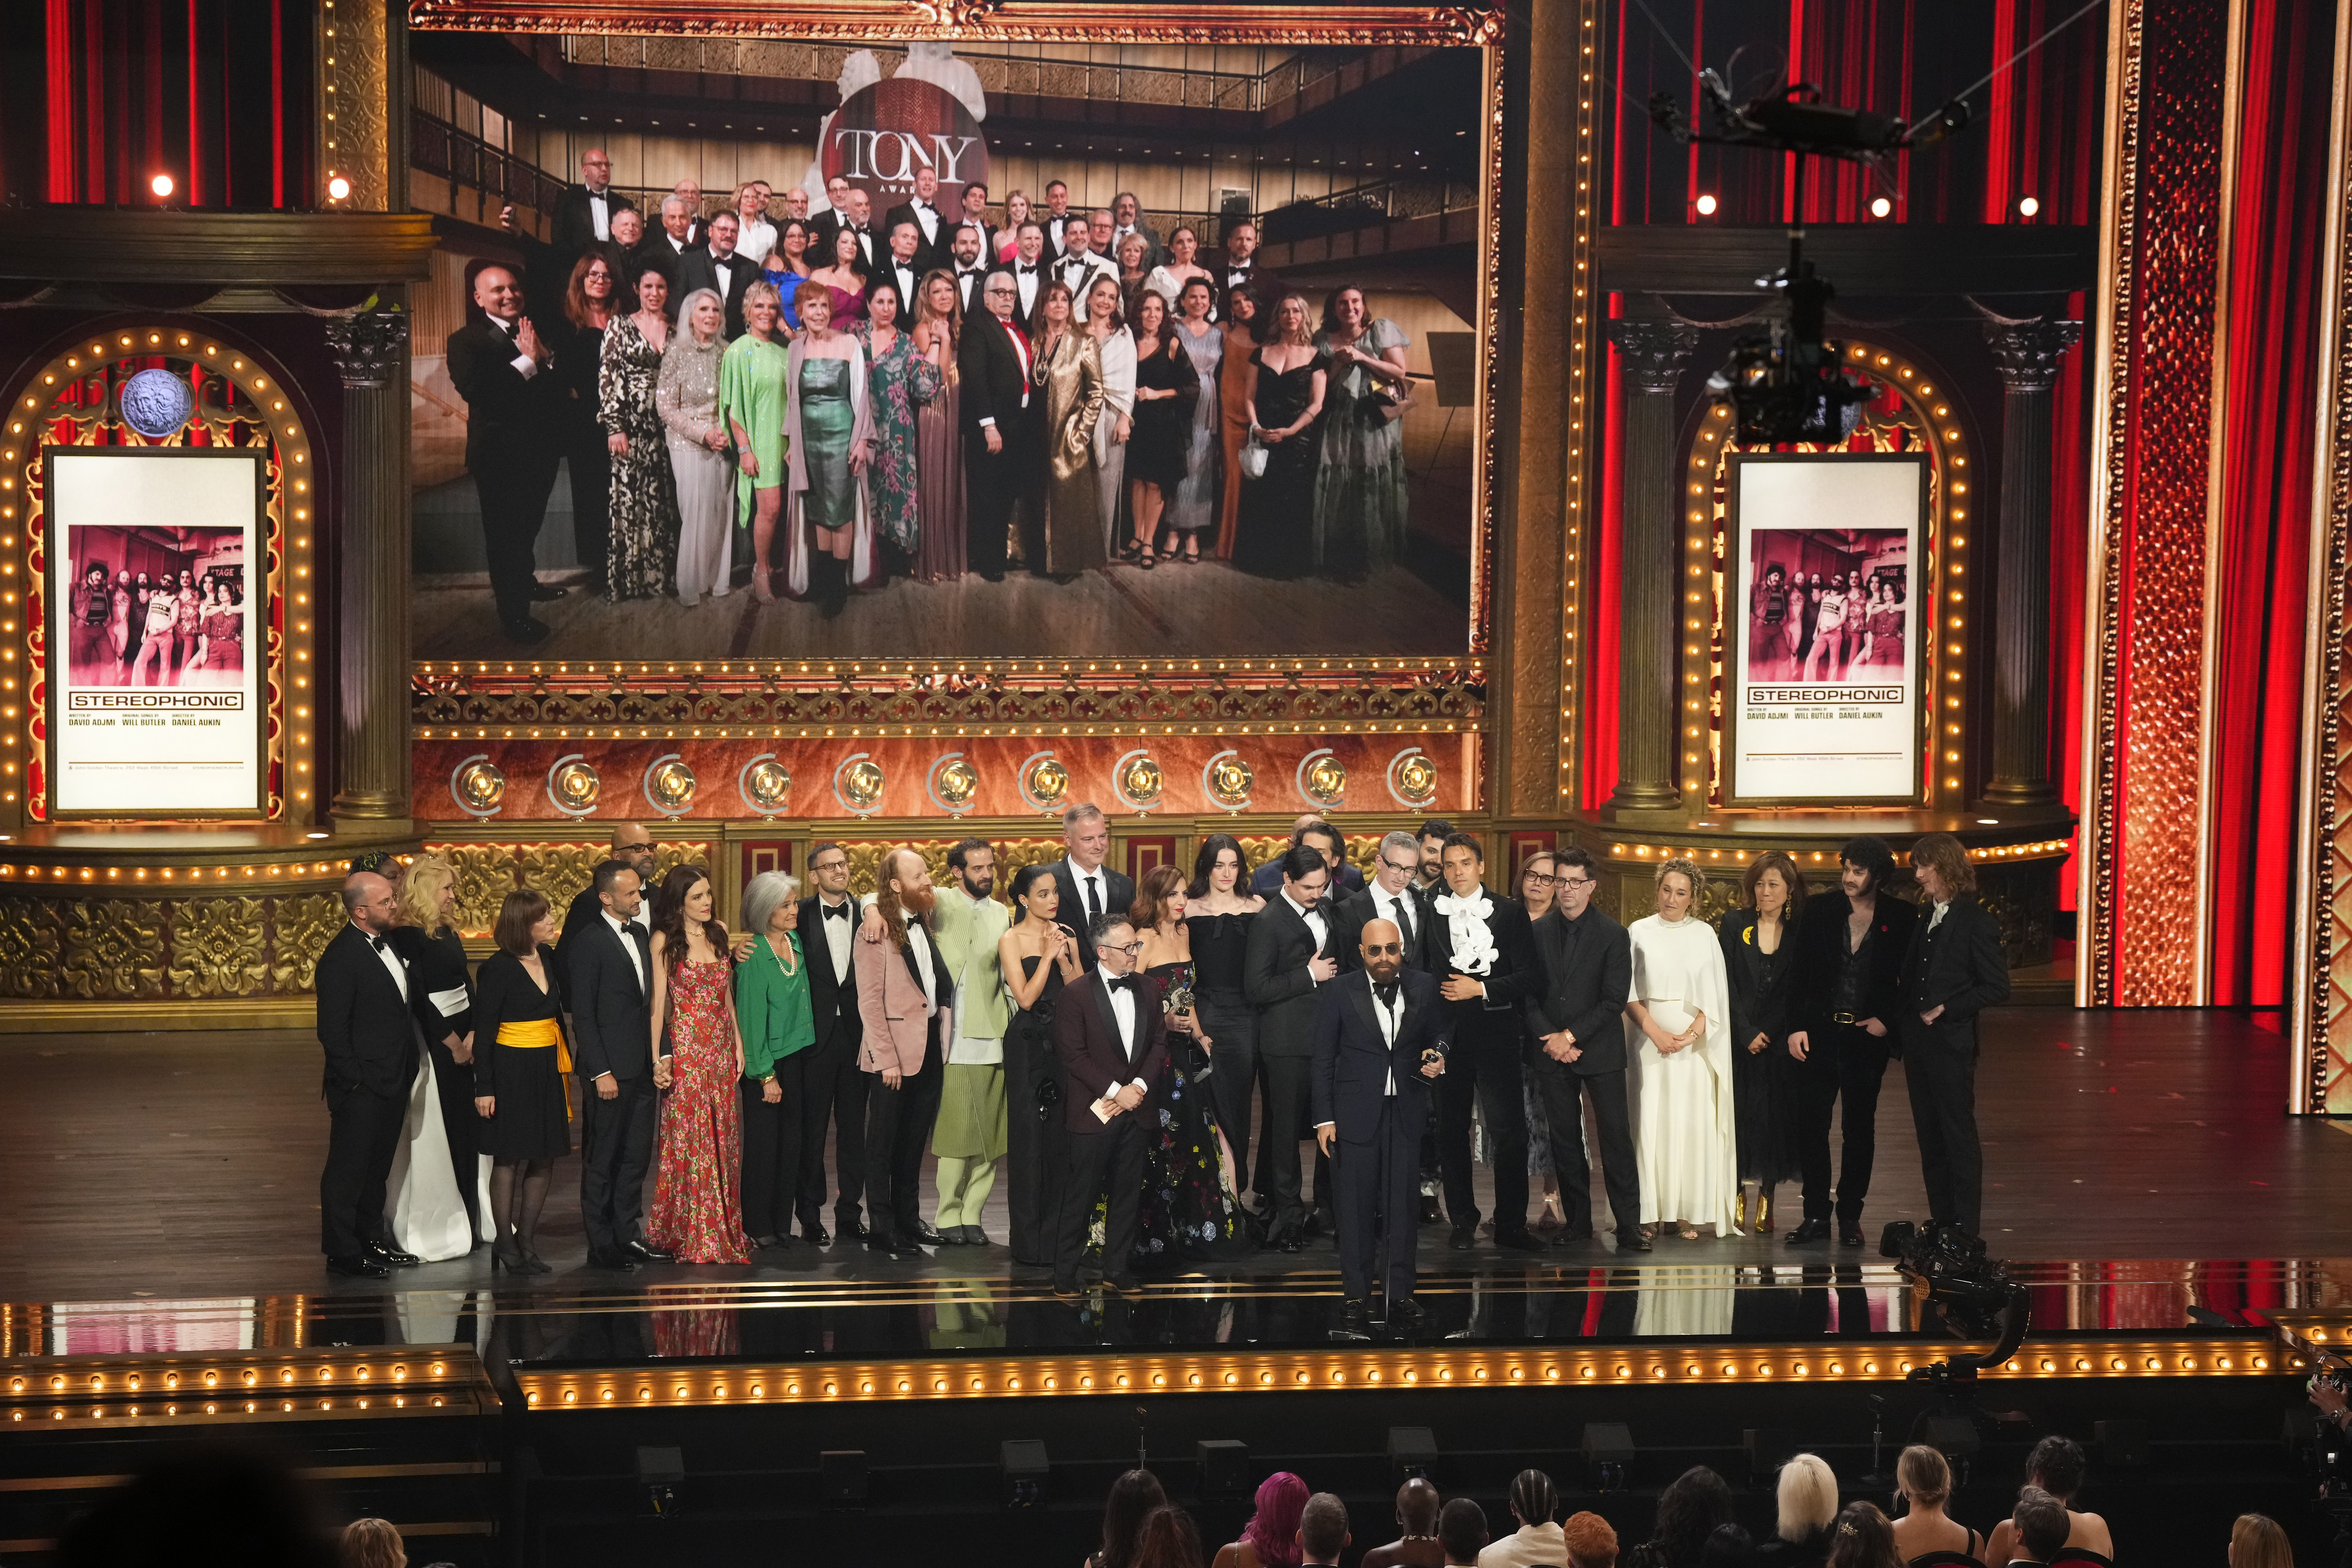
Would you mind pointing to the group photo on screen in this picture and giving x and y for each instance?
(1827, 606)
(964, 355)
(155, 606)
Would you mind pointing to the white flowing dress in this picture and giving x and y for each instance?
(426, 1212)
(1684, 1141)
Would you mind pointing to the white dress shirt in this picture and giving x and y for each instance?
(525, 366)
(1396, 907)
(904, 275)
(757, 242)
(629, 943)
(837, 934)
(1090, 883)
(1029, 282)
(1122, 1008)
(919, 943)
(1392, 1019)
(1081, 272)
(392, 960)
(600, 212)
(1315, 924)
(1938, 918)
(926, 218)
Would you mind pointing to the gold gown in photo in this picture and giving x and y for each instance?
(1073, 382)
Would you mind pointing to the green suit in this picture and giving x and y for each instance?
(969, 1134)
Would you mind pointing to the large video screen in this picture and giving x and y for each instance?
(1046, 350)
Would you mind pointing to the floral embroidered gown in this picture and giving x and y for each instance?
(901, 381)
(642, 552)
(1187, 1213)
(698, 1210)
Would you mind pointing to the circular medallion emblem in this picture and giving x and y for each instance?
(156, 403)
(882, 134)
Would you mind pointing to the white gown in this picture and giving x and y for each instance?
(1684, 1137)
(426, 1212)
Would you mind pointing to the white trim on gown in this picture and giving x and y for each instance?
(426, 1212)
(1685, 1133)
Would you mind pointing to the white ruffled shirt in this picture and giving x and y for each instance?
(1471, 938)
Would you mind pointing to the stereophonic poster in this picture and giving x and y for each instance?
(154, 685)
(1823, 703)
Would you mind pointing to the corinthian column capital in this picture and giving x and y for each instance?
(1653, 352)
(371, 349)
(2026, 354)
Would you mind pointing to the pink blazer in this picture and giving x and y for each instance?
(890, 1004)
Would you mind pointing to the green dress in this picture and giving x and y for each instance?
(772, 1005)
(752, 394)
(826, 419)
(1359, 489)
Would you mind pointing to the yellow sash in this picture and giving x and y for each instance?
(535, 1034)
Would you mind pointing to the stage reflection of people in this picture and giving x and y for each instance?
(900, 381)
(751, 399)
(644, 508)
(1166, 388)
(1847, 1004)
(1480, 949)
(1067, 369)
(968, 1139)
(829, 441)
(999, 416)
(1190, 1211)
(498, 363)
(1954, 971)
(1577, 1050)
(1360, 488)
(1289, 380)
(1038, 956)
(837, 1081)
(1760, 954)
(1381, 1039)
(438, 1181)
(523, 1123)
(1218, 909)
(1111, 1038)
(1677, 1023)
(772, 1009)
(697, 1215)
(938, 430)
(693, 369)
(1106, 324)
(371, 1042)
(1292, 952)
(905, 997)
(1237, 314)
(608, 971)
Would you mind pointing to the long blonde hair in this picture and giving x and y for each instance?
(418, 902)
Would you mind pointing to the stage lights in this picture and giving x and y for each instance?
(1881, 207)
(339, 189)
(163, 187)
(1706, 204)
(2028, 206)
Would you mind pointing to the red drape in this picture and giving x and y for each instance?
(2274, 296)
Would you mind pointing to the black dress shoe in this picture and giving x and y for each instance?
(1404, 1315)
(612, 1262)
(1634, 1241)
(1570, 1238)
(975, 1236)
(1465, 1237)
(1811, 1230)
(644, 1252)
(1322, 1222)
(1519, 1239)
(525, 629)
(770, 1243)
(929, 1234)
(851, 1227)
(816, 1235)
(1288, 1241)
(1355, 1323)
(358, 1267)
(1428, 1215)
(546, 592)
(392, 1257)
(1850, 1232)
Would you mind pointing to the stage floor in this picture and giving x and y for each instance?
(163, 1194)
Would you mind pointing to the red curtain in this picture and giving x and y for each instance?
(2271, 384)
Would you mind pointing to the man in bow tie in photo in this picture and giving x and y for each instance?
(1112, 1038)
(1379, 1043)
(971, 246)
(922, 210)
(1030, 271)
(1240, 266)
(1483, 950)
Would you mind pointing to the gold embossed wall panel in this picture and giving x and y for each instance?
(83, 945)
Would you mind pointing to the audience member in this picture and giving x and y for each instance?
(1462, 1530)
(2056, 1467)
(1728, 1546)
(1694, 1506)
(1322, 1531)
(1862, 1538)
(1270, 1539)
(1416, 1545)
(371, 1543)
(1592, 1542)
(1806, 1506)
(2257, 1542)
(1539, 1543)
(1923, 1479)
(1133, 1497)
(1169, 1538)
(2038, 1528)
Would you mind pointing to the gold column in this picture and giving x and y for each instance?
(371, 754)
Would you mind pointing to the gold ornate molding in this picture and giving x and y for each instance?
(72, 946)
(884, 21)
(110, 245)
(354, 126)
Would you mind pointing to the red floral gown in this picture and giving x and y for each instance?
(698, 1182)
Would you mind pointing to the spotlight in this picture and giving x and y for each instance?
(338, 188)
(1412, 1452)
(1026, 1469)
(661, 1471)
(1608, 1455)
(842, 1473)
(2026, 207)
(1880, 207)
(1706, 204)
(1225, 1467)
(162, 185)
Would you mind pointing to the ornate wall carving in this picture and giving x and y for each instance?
(74, 945)
(219, 947)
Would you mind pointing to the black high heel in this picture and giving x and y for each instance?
(508, 1255)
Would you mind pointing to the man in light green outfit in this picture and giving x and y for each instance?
(969, 1137)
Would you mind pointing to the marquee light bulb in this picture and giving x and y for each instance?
(338, 189)
(1706, 204)
(161, 184)
(1881, 207)
(2026, 207)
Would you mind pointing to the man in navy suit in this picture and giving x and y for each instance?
(1379, 1041)
(370, 1041)
(611, 990)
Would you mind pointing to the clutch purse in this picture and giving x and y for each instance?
(1254, 460)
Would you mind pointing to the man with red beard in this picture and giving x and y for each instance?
(905, 999)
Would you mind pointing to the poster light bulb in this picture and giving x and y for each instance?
(338, 188)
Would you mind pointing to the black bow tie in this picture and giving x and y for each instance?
(1120, 981)
(1386, 991)
(968, 271)
(839, 911)
(376, 943)
(1027, 267)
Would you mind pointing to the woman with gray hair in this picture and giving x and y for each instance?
(771, 1001)
(688, 397)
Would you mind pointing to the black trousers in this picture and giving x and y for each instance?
(995, 485)
(898, 1130)
(834, 1090)
(1231, 1024)
(1037, 1147)
(1940, 1067)
(590, 463)
(1843, 1061)
(617, 1149)
(363, 1134)
(1561, 1089)
(1286, 1111)
(454, 1085)
(1376, 1182)
(1483, 1068)
(1108, 1163)
(772, 1148)
(513, 493)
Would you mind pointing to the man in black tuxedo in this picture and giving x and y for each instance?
(1577, 1046)
(922, 210)
(1240, 266)
(1050, 221)
(903, 267)
(1088, 887)
(633, 843)
(583, 213)
(611, 970)
(1847, 989)
(968, 247)
(999, 425)
(1293, 951)
(1379, 1041)
(836, 1087)
(370, 1041)
(716, 265)
(1318, 834)
(1112, 1038)
(1955, 970)
(1032, 269)
(1483, 950)
(1389, 896)
(975, 213)
(677, 240)
(498, 365)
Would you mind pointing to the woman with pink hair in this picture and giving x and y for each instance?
(1270, 1540)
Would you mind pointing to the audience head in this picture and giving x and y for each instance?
(1182, 242)
(903, 889)
(1727, 1546)
(1056, 304)
(1464, 863)
(1037, 894)
(723, 230)
(1396, 863)
(1942, 868)
(372, 1544)
(829, 864)
(691, 190)
(1924, 1476)
(1305, 876)
(1273, 1530)
(1865, 864)
(497, 294)
(209, 1504)
(1534, 1500)
(1462, 1530)
(1692, 1508)
(368, 900)
(2257, 1542)
(847, 253)
(1677, 886)
(589, 288)
(1158, 896)
(1169, 1538)
(1194, 299)
(1863, 1539)
(973, 860)
(429, 894)
(618, 889)
(1416, 1507)
(1808, 1497)
(772, 905)
(2040, 1523)
(1220, 867)
(1773, 886)
(1322, 1529)
(595, 169)
(2056, 1466)
(1116, 946)
(1592, 1542)
(1132, 1497)
(1086, 832)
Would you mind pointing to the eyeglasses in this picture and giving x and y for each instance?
(1131, 948)
(645, 848)
(1405, 870)
(1576, 881)
(1392, 949)
(996, 288)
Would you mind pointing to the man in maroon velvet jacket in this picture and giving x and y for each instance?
(1112, 1038)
